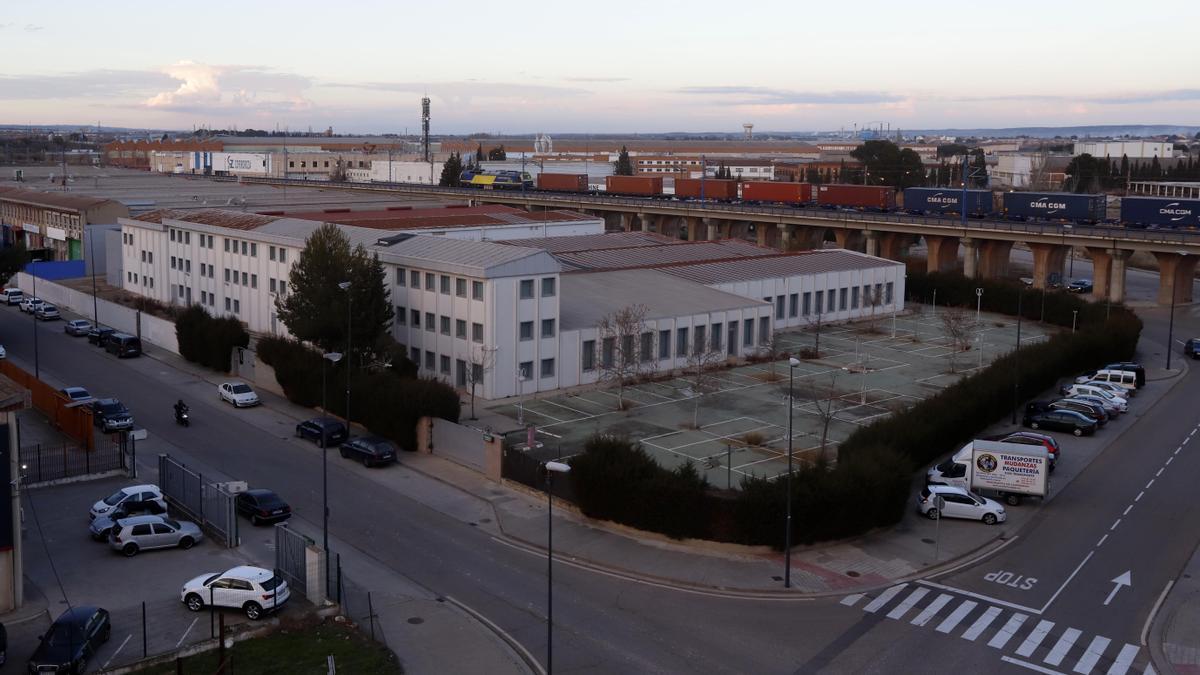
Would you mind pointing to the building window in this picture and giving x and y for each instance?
(477, 332)
(779, 307)
(842, 294)
(416, 319)
(477, 373)
(172, 235)
(143, 256)
(547, 367)
(853, 298)
(226, 275)
(271, 252)
(445, 322)
(700, 339)
(228, 304)
(187, 238)
(525, 371)
(664, 344)
(526, 329)
(588, 357)
(187, 266)
(764, 330)
(430, 323)
(400, 276)
(460, 329)
(877, 296)
(460, 373)
(477, 290)
(414, 279)
(460, 287)
(172, 262)
(716, 337)
(243, 248)
(646, 352)
(227, 245)
(282, 255)
(401, 314)
(748, 332)
(430, 280)
(253, 250)
(681, 341)
(888, 293)
(430, 360)
(547, 328)
(445, 364)
(445, 284)
(237, 307)
(808, 303)
(282, 287)
(607, 352)
(526, 289)
(253, 281)
(731, 342)
(245, 279)
(271, 284)
(548, 287)
(832, 297)
(793, 305)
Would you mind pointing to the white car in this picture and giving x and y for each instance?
(30, 304)
(1114, 389)
(1092, 390)
(238, 393)
(253, 590)
(127, 496)
(47, 312)
(1110, 407)
(959, 503)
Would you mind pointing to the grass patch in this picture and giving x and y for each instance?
(298, 650)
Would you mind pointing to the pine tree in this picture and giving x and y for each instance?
(623, 166)
(452, 171)
(479, 154)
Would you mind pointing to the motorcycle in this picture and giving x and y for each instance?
(182, 418)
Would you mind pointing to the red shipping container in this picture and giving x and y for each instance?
(645, 186)
(713, 188)
(787, 193)
(563, 182)
(880, 197)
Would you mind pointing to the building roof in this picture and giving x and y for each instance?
(589, 297)
(234, 220)
(784, 265)
(394, 218)
(58, 200)
(657, 256)
(596, 242)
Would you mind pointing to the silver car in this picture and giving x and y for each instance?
(137, 533)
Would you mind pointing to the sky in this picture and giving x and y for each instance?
(612, 66)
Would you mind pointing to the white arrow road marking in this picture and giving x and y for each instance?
(1125, 579)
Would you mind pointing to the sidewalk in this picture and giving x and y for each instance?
(1174, 638)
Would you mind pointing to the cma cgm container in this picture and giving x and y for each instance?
(1054, 206)
(871, 197)
(771, 191)
(709, 188)
(1160, 212)
(642, 186)
(563, 182)
(936, 201)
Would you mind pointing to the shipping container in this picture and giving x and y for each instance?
(708, 188)
(1054, 206)
(563, 182)
(776, 192)
(1160, 212)
(936, 201)
(642, 186)
(872, 197)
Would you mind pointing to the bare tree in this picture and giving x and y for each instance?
(620, 333)
(771, 349)
(814, 321)
(701, 374)
(957, 325)
(823, 397)
(483, 360)
(873, 298)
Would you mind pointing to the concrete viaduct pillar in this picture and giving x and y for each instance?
(943, 253)
(849, 239)
(1048, 259)
(1116, 290)
(872, 239)
(993, 258)
(894, 246)
(1175, 275)
(970, 257)
(711, 228)
(786, 237)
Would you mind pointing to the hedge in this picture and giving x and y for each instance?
(385, 401)
(870, 485)
(206, 340)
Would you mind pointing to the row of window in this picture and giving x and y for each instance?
(842, 299)
(248, 247)
(548, 329)
(634, 349)
(438, 283)
(132, 277)
(440, 363)
(404, 317)
(148, 257)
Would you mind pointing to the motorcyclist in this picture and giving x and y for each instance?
(180, 409)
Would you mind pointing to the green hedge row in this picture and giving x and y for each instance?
(870, 485)
(384, 401)
(207, 340)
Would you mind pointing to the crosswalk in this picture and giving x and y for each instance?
(1036, 643)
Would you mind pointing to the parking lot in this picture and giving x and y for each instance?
(863, 371)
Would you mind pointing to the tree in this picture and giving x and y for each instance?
(618, 334)
(315, 310)
(951, 150)
(623, 166)
(497, 154)
(482, 361)
(479, 154)
(12, 260)
(823, 398)
(886, 164)
(452, 171)
(701, 374)
(957, 325)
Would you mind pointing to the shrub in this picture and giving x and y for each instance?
(206, 340)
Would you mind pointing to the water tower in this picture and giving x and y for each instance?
(748, 129)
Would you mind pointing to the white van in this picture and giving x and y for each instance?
(11, 296)
(1090, 390)
(1126, 379)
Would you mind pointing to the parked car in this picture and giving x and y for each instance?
(959, 503)
(1080, 286)
(261, 506)
(111, 415)
(123, 345)
(1109, 406)
(97, 335)
(1125, 379)
(323, 430)
(1034, 438)
(238, 393)
(47, 312)
(1089, 409)
(1131, 365)
(1192, 348)
(370, 450)
(72, 640)
(138, 533)
(77, 327)
(126, 498)
(75, 393)
(102, 524)
(1114, 389)
(253, 590)
(1062, 420)
(29, 304)
(12, 296)
(3, 354)
(1103, 392)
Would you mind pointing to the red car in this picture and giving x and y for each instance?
(1034, 438)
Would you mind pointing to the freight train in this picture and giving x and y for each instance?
(489, 179)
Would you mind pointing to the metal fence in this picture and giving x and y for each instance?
(527, 469)
(210, 505)
(291, 559)
(43, 463)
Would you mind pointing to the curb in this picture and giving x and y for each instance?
(522, 653)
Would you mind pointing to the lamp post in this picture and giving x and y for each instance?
(1017, 359)
(92, 254)
(551, 468)
(1070, 252)
(787, 532)
(345, 286)
(1171, 323)
(37, 371)
(332, 357)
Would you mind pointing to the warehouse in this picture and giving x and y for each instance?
(53, 221)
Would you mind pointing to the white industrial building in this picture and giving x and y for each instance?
(388, 171)
(1130, 149)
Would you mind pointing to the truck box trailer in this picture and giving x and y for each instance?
(946, 201)
(870, 197)
(563, 182)
(708, 188)
(1160, 212)
(776, 192)
(1011, 470)
(1054, 206)
(641, 186)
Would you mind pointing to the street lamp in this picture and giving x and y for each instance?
(551, 468)
(787, 532)
(345, 286)
(1070, 252)
(1171, 324)
(332, 357)
(33, 313)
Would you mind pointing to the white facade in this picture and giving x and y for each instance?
(1130, 149)
(425, 173)
(845, 295)
(241, 163)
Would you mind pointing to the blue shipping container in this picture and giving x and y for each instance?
(1054, 206)
(1160, 212)
(947, 200)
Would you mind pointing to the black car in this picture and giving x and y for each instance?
(370, 450)
(111, 415)
(1083, 407)
(1080, 286)
(98, 335)
(262, 506)
(71, 641)
(123, 345)
(1192, 348)
(1062, 420)
(334, 430)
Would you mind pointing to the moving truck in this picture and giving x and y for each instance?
(1010, 470)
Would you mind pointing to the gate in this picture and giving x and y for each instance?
(291, 558)
(209, 504)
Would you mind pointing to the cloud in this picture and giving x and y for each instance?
(86, 84)
(31, 28)
(743, 95)
(1149, 97)
(462, 92)
(597, 79)
(201, 87)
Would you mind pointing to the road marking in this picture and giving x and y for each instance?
(1091, 655)
(979, 596)
(928, 613)
(1177, 451)
(851, 600)
(114, 654)
(981, 624)
(1102, 540)
(1154, 610)
(1010, 629)
(1035, 638)
(884, 598)
(1064, 644)
(1124, 660)
(185, 633)
(1150, 483)
(1064, 584)
(1169, 460)
(956, 616)
(1127, 510)
(1115, 524)
(1125, 579)
(1031, 666)
(1149, 670)
(1159, 473)
(900, 609)
(1139, 497)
